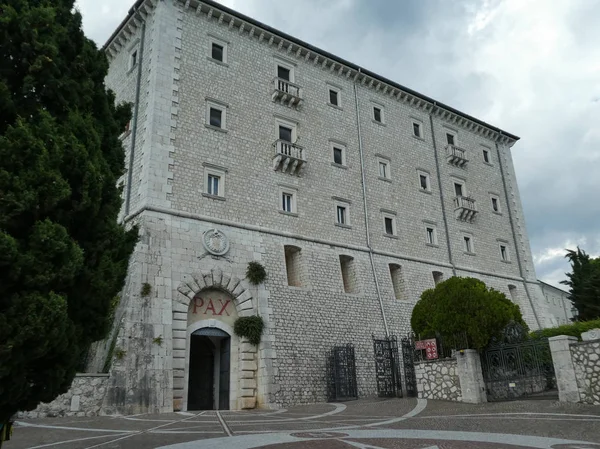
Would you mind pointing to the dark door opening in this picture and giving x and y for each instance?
(208, 387)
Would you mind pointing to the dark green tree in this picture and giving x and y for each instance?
(584, 284)
(63, 257)
(466, 305)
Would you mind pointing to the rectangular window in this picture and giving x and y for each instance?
(283, 73)
(333, 97)
(337, 156)
(295, 269)
(468, 244)
(213, 185)
(285, 133)
(134, 59)
(450, 138)
(384, 169)
(458, 189)
(389, 225)
(486, 156)
(342, 215)
(217, 52)
(377, 116)
(495, 206)
(416, 129)
(504, 252)
(215, 117)
(431, 236)
(287, 200)
(424, 183)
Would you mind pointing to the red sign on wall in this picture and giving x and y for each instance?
(429, 346)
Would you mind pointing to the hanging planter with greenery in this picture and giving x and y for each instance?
(250, 327)
(256, 273)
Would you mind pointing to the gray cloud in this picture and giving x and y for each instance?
(528, 67)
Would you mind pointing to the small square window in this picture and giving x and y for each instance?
(284, 73)
(389, 225)
(486, 156)
(417, 129)
(384, 169)
(342, 215)
(217, 52)
(377, 116)
(431, 237)
(333, 97)
(450, 138)
(215, 117)
(468, 244)
(504, 253)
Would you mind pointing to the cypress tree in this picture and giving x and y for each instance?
(63, 257)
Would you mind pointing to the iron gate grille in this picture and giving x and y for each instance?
(387, 367)
(342, 374)
(511, 371)
(408, 359)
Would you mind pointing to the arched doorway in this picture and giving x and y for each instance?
(209, 372)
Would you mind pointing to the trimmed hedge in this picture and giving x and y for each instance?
(574, 329)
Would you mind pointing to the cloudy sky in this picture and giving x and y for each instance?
(531, 67)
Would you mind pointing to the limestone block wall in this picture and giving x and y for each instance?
(84, 398)
(586, 361)
(438, 379)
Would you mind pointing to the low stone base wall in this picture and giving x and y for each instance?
(586, 361)
(438, 379)
(84, 398)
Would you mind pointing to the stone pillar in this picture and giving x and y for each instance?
(248, 370)
(564, 368)
(468, 367)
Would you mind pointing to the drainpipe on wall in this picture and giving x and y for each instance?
(364, 189)
(136, 110)
(439, 178)
(512, 227)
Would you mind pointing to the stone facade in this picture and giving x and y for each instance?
(438, 380)
(586, 360)
(172, 149)
(84, 398)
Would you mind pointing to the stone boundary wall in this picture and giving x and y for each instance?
(586, 361)
(438, 379)
(84, 398)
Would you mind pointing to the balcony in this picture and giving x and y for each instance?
(289, 157)
(464, 208)
(287, 93)
(456, 156)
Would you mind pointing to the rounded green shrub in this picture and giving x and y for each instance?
(256, 273)
(250, 327)
(466, 305)
(574, 329)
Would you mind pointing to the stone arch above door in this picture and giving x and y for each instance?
(191, 286)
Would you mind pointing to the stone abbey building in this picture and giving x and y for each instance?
(355, 193)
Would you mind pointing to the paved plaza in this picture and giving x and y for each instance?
(367, 424)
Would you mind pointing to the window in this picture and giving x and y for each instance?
(286, 130)
(133, 60)
(504, 253)
(349, 279)
(342, 215)
(214, 181)
(216, 115)
(285, 133)
(338, 151)
(512, 289)
(377, 114)
(431, 235)
(217, 52)
(468, 244)
(334, 96)
(287, 200)
(424, 182)
(458, 189)
(486, 156)
(397, 281)
(450, 138)
(284, 73)
(389, 225)
(495, 201)
(417, 129)
(296, 275)
(438, 277)
(383, 166)
(389, 222)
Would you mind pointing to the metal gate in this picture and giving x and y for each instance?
(514, 370)
(387, 367)
(408, 360)
(342, 374)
